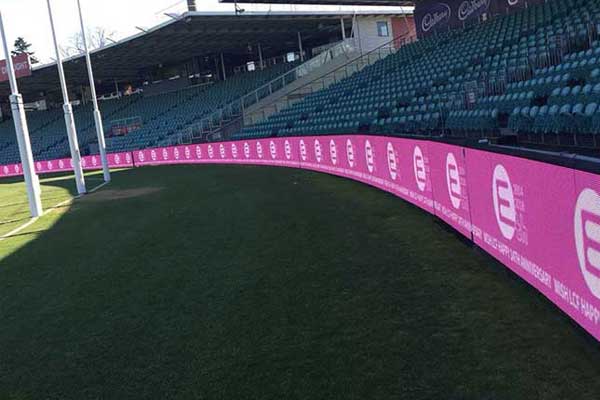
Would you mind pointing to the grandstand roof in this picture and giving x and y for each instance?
(190, 34)
(394, 3)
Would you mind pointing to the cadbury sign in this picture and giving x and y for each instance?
(471, 8)
(439, 15)
(508, 6)
(434, 15)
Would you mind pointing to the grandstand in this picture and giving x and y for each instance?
(329, 2)
(532, 74)
(459, 258)
(170, 106)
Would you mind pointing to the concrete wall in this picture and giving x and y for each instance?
(365, 31)
(403, 30)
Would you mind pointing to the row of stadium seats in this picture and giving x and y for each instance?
(478, 81)
(161, 117)
(535, 73)
(166, 115)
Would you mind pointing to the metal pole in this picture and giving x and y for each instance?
(68, 110)
(97, 115)
(260, 56)
(358, 33)
(217, 68)
(223, 67)
(343, 28)
(300, 47)
(32, 182)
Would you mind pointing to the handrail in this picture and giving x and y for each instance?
(393, 43)
(367, 54)
(295, 69)
(296, 72)
(552, 59)
(411, 39)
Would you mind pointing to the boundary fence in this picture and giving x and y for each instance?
(540, 220)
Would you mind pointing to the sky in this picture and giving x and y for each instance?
(29, 18)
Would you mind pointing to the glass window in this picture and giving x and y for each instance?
(382, 29)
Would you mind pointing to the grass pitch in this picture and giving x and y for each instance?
(223, 282)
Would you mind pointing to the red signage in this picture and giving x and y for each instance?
(21, 65)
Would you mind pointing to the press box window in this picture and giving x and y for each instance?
(382, 29)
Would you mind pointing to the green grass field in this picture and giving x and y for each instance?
(223, 282)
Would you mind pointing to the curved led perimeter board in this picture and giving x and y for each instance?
(540, 220)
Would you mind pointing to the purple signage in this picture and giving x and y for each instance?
(540, 220)
(510, 6)
(441, 15)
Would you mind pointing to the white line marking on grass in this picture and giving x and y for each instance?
(19, 229)
(100, 186)
(48, 211)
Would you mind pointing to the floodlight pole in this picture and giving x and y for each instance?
(97, 115)
(18, 111)
(68, 110)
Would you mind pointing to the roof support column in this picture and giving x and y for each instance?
(343, 28)
(356, 30)
(217, 68)
(223, 67)
(260, 56)
(300, 47)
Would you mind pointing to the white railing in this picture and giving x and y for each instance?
(345, 47)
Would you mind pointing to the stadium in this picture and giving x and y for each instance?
(303, 199)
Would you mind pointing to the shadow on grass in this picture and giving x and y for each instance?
(56, 188)
(47, 199)
(266, 283)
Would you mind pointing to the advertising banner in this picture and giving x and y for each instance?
(10, 170)
(88, 163)
(581, 287)
(532, 218)
(399, 166)
(169, 155)
(119, 160)
(51, 166)
(436, 15)
(540, 220)
(432, 16)
(451, 189)
(116, 160)
(277, 151)
(442, 15)
(21, 65)
(500, 7)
